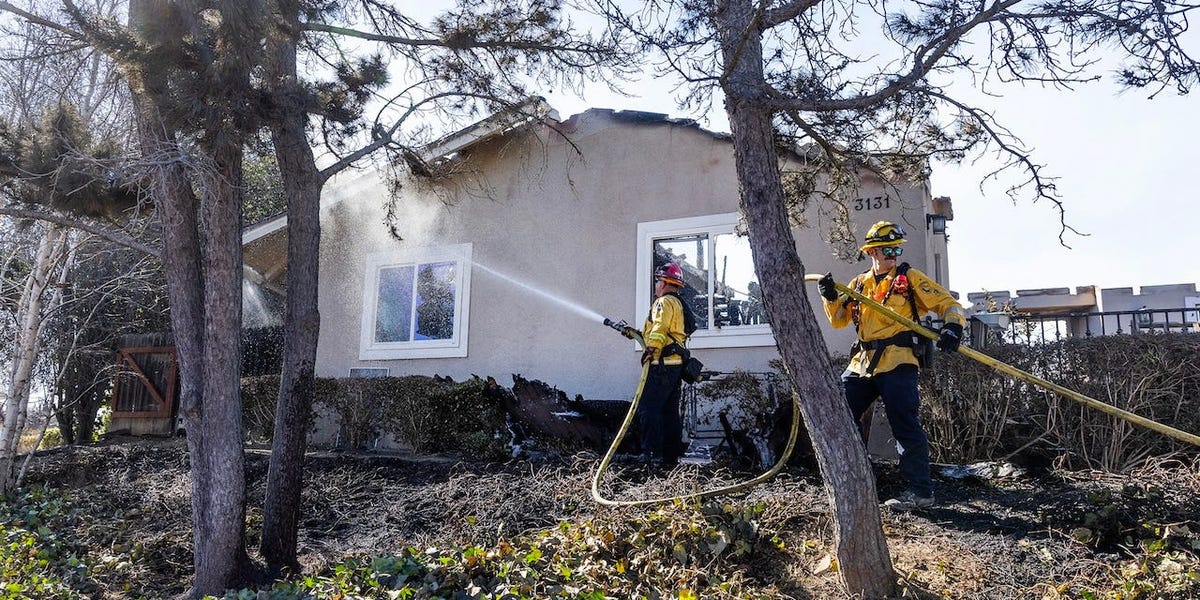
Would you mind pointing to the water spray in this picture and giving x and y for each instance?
(574, 307)
(623, 327)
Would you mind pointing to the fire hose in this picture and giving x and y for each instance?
(624, 329)
(866, 301)
(1022, 375)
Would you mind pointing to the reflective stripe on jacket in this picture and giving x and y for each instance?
(664, 326)
(930, 297)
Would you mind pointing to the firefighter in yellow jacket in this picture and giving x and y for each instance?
(884, 360)
(659, 421)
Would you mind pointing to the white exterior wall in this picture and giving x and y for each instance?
(937, 263)
(1170, 296)
(1164, 308)
(567, 224)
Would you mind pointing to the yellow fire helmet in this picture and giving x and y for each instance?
(883, 233)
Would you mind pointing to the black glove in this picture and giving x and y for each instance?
(951, 337)
(628, 332)
(825, 286)
(647, 355)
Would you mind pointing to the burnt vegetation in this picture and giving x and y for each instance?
(449, 527)
(1037, 511)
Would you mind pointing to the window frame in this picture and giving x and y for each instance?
(453, 347)
(738, 336)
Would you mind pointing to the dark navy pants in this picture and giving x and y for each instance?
(659, 422)
(898, 389)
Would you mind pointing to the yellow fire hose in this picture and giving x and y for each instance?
(612, 450)
(970, 353)
(1022, 375)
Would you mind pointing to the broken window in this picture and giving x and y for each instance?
(721, 287)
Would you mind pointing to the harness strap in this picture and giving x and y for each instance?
(856, 310)
(903, 340)
(902, 269)
(674, 349)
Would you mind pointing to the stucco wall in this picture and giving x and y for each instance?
(562, 218)
(1086, 299)
(1168, 296)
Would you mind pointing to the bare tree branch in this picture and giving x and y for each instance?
(109, 234)
(458, 43)
(785, 13)
(925, 59)
(37, 20)
(1043, 187)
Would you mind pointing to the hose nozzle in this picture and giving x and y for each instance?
(618, 325)
(624, 329)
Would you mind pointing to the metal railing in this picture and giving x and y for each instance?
(1043, 328)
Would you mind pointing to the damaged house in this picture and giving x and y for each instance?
(543, 227)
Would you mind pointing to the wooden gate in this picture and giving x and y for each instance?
(146, 386)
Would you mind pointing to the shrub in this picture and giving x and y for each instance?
(38, 559)
(422, 412)
(357, 405)
(52, 439)
(975, 413)
(259, 397)
(711, 551)
(29, 436)
(103, 417)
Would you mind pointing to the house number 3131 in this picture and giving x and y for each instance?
(875, 203)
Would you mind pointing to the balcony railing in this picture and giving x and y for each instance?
(1043, 328)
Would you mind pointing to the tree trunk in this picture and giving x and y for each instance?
(87, 405)
(202, 264)
(65, 415)
(29, 323)
(56, 300)
(864, 563)
(220, 504)
(303, 182)
(205, 302)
